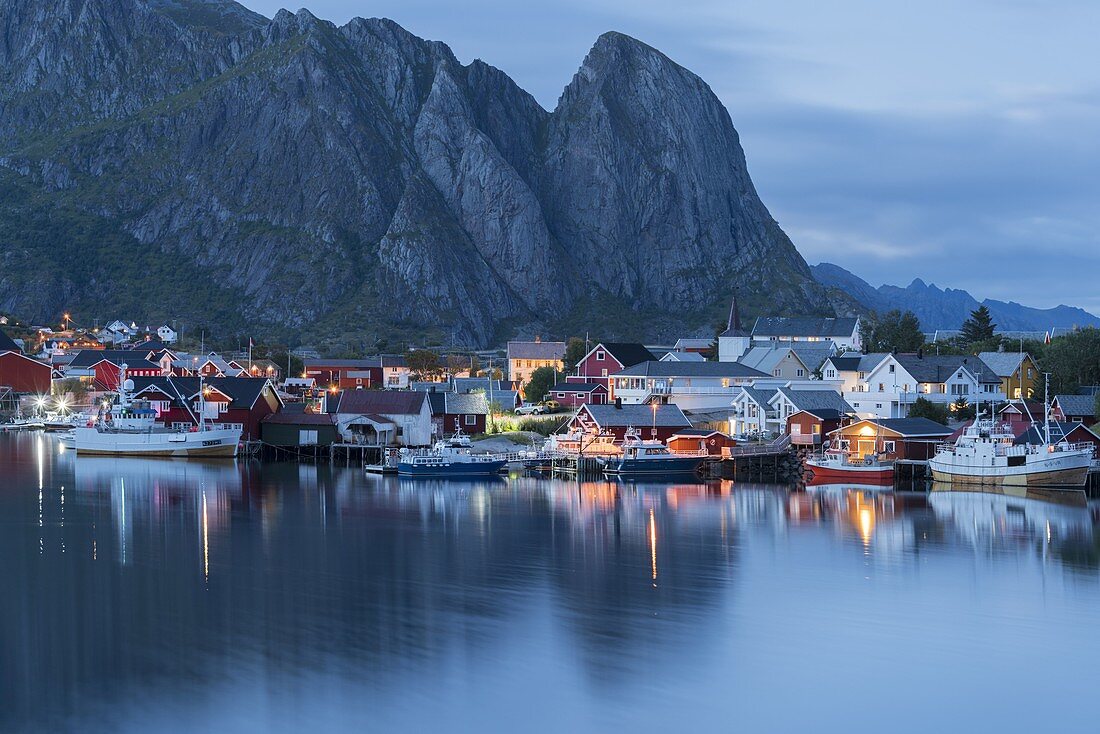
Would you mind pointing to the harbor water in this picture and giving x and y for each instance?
(182, 596)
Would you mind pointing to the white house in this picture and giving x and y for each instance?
(385, 417)
(851, 369)
(167, 335)
(690, 385)
(895, 383)
(843, 332)
(759, 408)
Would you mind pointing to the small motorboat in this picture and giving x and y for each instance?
(641, 457)
(450, 457)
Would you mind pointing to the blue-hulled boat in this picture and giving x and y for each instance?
(451, 457)
(641, 457)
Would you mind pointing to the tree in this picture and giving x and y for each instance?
(1072, 360)
(893, 332)
(979, 327)
(575, 349)
(457, 363)
(925, 408)
(541, 381)
(423, 363)
(962, 409)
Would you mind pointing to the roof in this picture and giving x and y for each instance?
(1058, 432)
(825, 414)
(682, 344)
(940, 367)
(812, 355)
(86, 358)
(473, 384)
(766, 359)
(610, 416)
(536, 350)
(804, 326)
(467, 403)
(392, 360)
(300, 419)
(7, 345)
(654, 368)
(847, 362)
(907, 427)
(627, 354)
(675, 356)
(384, 402)
(816, 400)
(243, 392)
(698, 432)
(1076, 404)
(1003, 364)
(578, 387)
(360, 363)
(760, 396)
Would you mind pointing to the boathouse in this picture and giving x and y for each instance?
(700, 439)
(576, 394)
(298, 429)
(892, 438)
(383, 417)
(452, 411)
(21, 373)
(654, 421)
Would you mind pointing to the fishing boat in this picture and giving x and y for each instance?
(641, 457)
(129, 427)
(836, 465)
(986, 454)
(450, 457)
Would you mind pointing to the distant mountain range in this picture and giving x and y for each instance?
(939, 308)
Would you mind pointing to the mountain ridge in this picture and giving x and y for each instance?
(947, 308)
(358, 183)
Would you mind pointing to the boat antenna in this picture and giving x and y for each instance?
(1046, 406)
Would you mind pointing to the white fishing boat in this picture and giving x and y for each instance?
(451, 457)
(129, 427)
(641, 457)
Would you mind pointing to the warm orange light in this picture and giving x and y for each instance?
(867, 431)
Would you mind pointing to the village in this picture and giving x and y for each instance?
(786, 386)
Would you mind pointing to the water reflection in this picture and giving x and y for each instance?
(139, 590)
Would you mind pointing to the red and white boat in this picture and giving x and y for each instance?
(837, 465)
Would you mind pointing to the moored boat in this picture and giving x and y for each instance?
(128, 427)
(451, 457)
(641, 457)
(836, 465)
(986, 454)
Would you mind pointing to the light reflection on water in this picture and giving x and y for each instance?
(185, 596)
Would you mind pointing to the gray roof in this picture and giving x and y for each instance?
(7, 345)
(940, 367)
(804, 326)
(816, 400)
(1076, 404)
(1003, 364)
(655, 368)
(675, 356)
(473, 384)
(913, 426)
(1058, 432)
(536, 350)
(692, 344)
(812, 356)
(383, 402)
(760, 396)
(640, 416)
(466, 403)
(764, 359)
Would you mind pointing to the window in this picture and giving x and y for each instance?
(560, 394)
(843, 445)
(888, 447)
(470, 420)
(307, 438)
(855, 405)
(603, 372)
(801, 373)
(878, 405)
(892, 368)
(957, 389)
(600, 355)
(817, 428)
(830, 374)
(881, 387)
(775, 372)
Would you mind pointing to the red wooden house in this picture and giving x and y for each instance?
(345, 374)
(1059, 433)
(1074, 409)
(452, 411)
(893, 438)
(809, 427)
(102, 366)
(23, 374)
(235, 402)
(576, 394)
(607, 358)
(652, 421)
(701, 439)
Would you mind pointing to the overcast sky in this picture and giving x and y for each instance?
(954, 141)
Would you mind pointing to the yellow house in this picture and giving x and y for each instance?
(526, 357)
(1020, 379)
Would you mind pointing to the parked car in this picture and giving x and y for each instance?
(531, 409)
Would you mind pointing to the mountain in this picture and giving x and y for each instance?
(946, 308)
(191, 160)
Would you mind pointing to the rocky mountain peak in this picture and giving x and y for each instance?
(304, 175)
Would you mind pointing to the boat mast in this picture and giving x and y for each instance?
(1046, 406)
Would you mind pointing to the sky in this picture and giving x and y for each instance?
(958, 142)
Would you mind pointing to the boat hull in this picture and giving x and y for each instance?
(1070, 477)
(457, 469)
(878, 475)
(205, 444)
(649, 467)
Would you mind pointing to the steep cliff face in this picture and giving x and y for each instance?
(297, 173)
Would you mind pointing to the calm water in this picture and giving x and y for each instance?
(142, 596)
